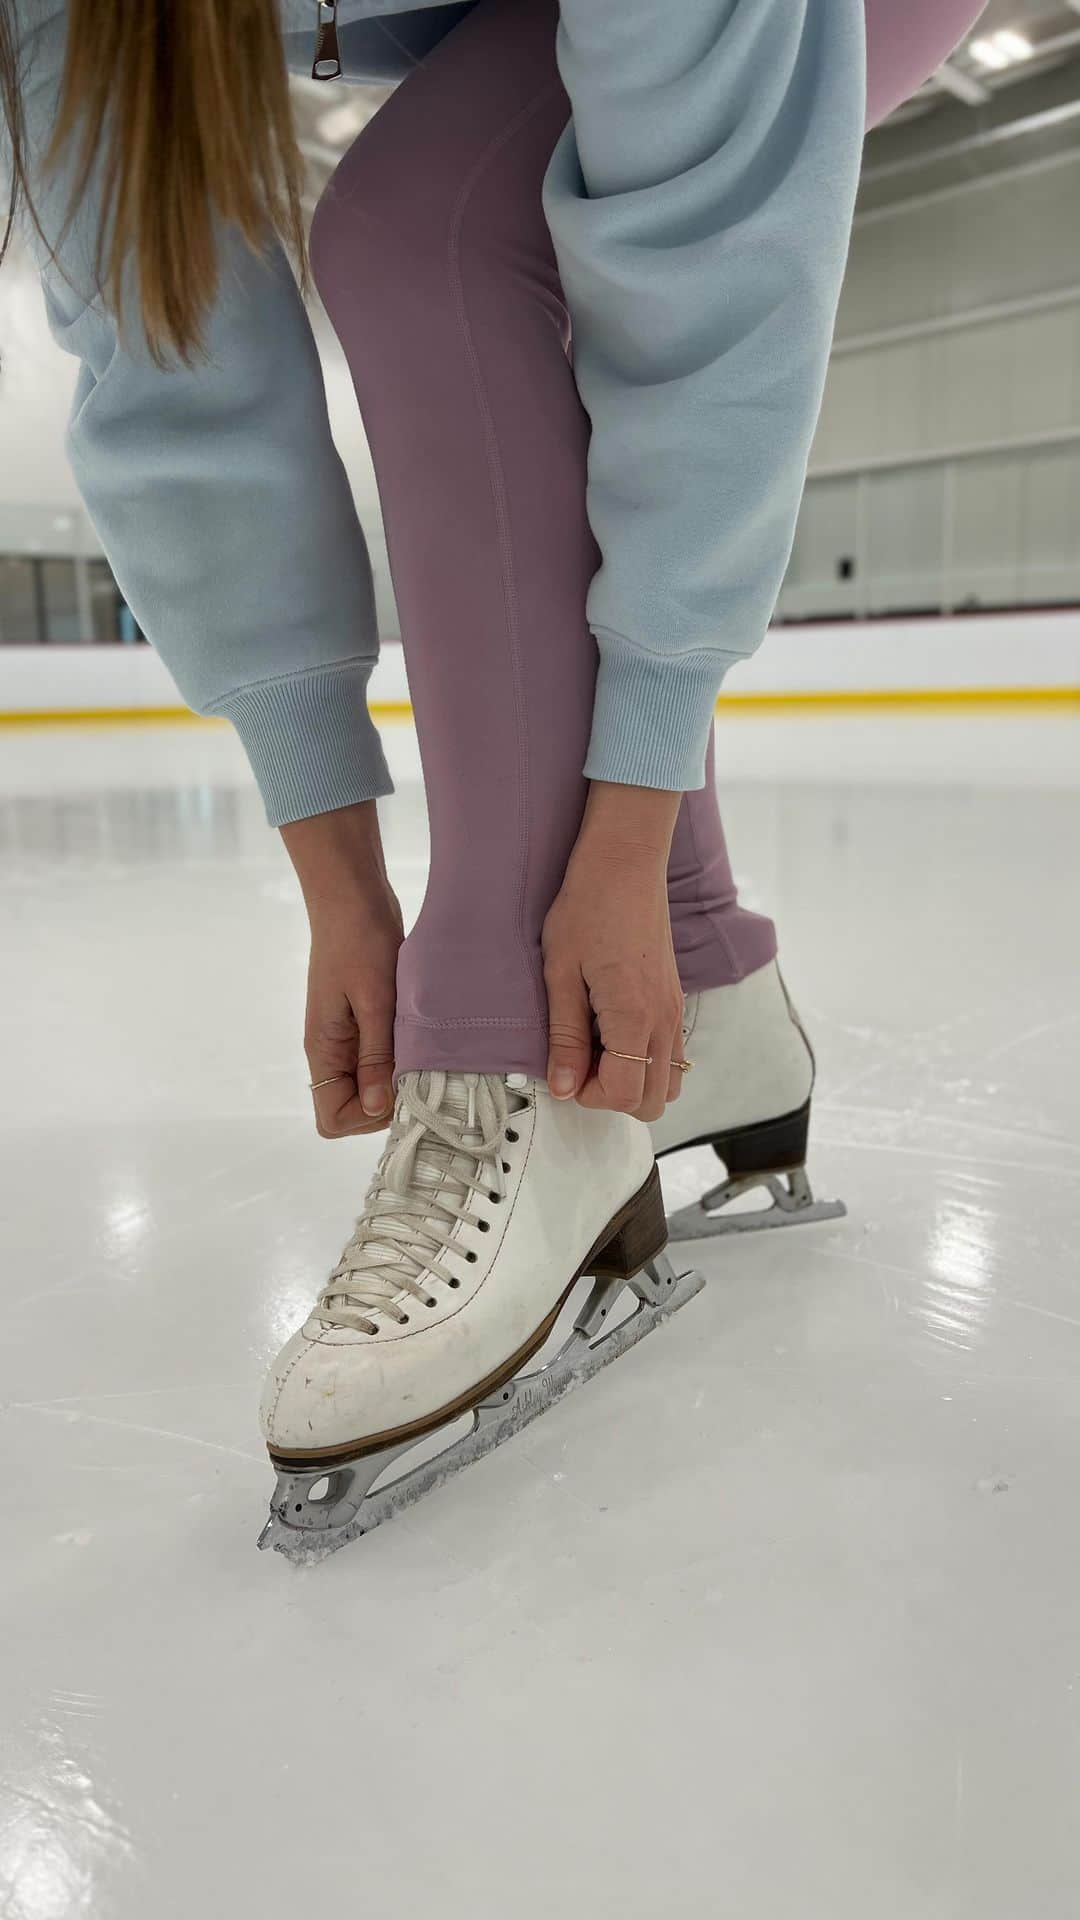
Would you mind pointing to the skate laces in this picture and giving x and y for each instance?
(445, 1144)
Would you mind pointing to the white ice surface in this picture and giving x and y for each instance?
(776, 1620)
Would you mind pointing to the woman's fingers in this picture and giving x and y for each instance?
(337, 1110)
(569, 1031)
(609, 961)
(349, 1042)
(619, 1080)
(678, 1052)
(641, 1086)
(375, 1057)
(657, 1076)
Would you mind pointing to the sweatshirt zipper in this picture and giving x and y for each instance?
(327, 62)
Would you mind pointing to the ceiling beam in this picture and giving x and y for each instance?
(964, 86)
(918, 158)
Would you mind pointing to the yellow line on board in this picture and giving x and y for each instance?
(153, 716)
(907, 697)
(106, 717)
(727, 703)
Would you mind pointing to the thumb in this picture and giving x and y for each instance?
(570, 1047)
(374, 1056)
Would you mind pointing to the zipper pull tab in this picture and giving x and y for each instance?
(327, 62)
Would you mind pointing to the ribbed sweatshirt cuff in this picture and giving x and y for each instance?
(310, 739)
(652, 714)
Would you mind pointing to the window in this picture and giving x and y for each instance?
(60, 602)
(106, 606)
(20, 618)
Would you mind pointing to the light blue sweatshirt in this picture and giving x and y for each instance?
(700, 203)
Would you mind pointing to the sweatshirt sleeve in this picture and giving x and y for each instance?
(219, 497)
(700, 203)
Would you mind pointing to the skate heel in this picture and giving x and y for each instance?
(636, 1235)
(769, 1146)
(770, 1156)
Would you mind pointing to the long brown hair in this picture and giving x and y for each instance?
(182, 107)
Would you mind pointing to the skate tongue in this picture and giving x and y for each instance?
(416, 1167)
(436, 1165)
(436, 1168)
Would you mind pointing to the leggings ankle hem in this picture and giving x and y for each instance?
(471, 1046)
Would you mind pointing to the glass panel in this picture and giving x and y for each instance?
(906, 520)
(62, 625)
(821, 578)
(105, 602)
(987, 531)
(18, 602)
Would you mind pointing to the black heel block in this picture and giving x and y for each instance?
(769, 1146)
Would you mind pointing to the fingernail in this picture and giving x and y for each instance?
(375, 1100)
(562, 1083)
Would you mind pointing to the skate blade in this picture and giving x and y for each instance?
(792, 1205)
(307, 1526)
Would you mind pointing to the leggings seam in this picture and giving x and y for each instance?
(497, 482)
(712, 919)
(469, 1020)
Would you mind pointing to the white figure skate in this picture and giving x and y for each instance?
(748, 1097)
(491, 1200)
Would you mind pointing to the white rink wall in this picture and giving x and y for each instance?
(972, 652)
(121, 679)
(976, 653)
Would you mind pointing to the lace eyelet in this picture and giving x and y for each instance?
(511, 1135)
(483, 1226)
(495, 1198)
(404, 1321)
(431, 1303)
(471, 1258)
(455, 1283)
(506, 1166)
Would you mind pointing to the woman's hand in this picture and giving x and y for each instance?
(608, 955)
(356, 931)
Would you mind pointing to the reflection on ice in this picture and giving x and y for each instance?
(957, 1293)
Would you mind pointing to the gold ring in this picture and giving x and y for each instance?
(312, 1084)
(683, 1066)
(643, 1059)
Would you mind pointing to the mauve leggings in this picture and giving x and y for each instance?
(434, 260)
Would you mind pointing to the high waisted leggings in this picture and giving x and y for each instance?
(434, 260)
